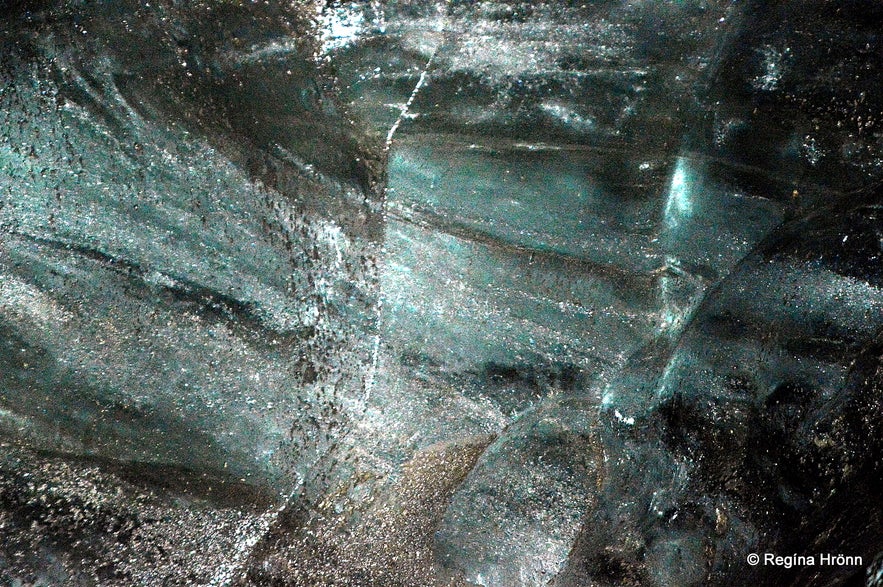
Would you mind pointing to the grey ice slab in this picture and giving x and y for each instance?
(178, 271)
(762, 414)
(532, 488)
(508, 253)
(472, 334)
(517, 281)
(549, 71)
(621, 212)
(601, 207)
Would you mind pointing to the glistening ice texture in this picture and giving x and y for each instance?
(188, 285)
(440, 293)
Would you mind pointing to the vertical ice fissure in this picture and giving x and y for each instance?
(407, 105)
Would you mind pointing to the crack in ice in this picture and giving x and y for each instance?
(407, 105)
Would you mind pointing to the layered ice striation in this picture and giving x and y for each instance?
(439, 293)
(187, 283)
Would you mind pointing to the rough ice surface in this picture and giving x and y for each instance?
(508, 294)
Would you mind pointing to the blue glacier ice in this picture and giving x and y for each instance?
(506, 293)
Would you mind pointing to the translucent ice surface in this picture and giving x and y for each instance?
(376, 294)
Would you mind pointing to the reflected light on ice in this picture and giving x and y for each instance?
(679, 204)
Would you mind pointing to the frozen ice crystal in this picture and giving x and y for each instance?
(454, 293)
